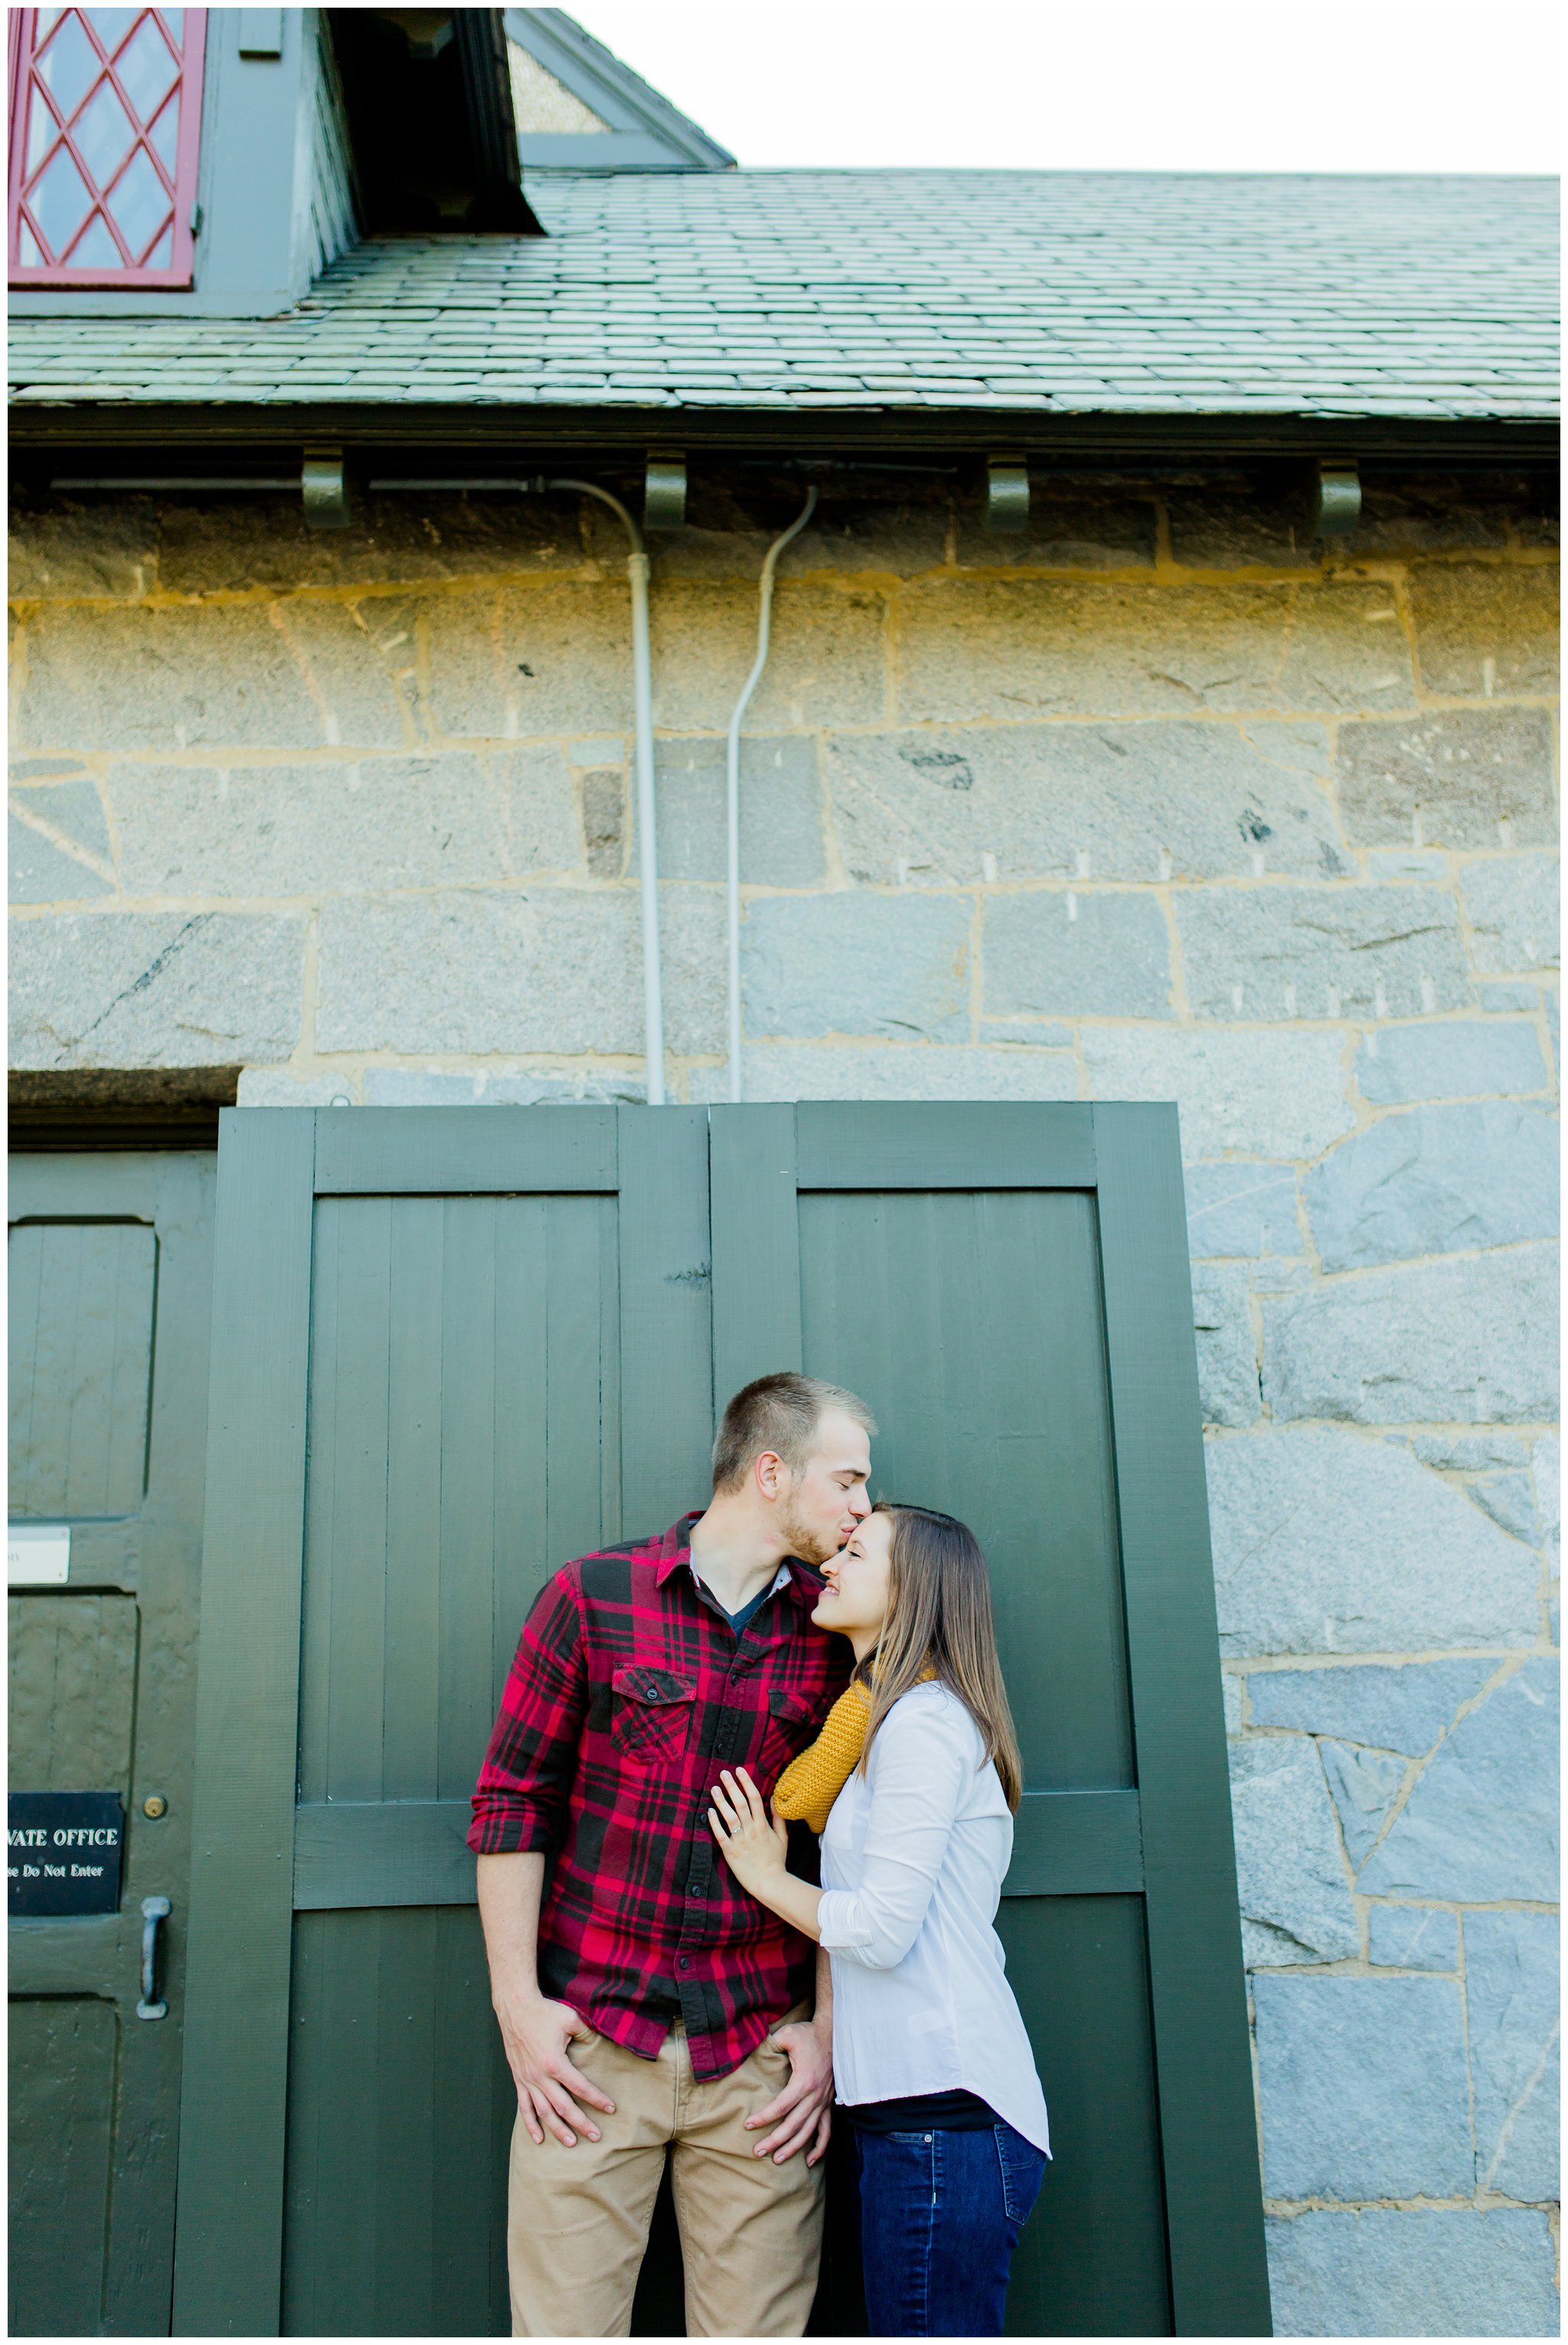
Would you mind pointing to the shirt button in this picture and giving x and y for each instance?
(685, 1966)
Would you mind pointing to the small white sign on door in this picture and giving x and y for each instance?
(38, 1555)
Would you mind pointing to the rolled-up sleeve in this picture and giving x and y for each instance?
(520, 1800)
(920, 1768)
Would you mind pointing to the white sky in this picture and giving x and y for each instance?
(1108, 84)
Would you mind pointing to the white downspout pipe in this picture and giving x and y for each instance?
(732, 779)
(642, 729)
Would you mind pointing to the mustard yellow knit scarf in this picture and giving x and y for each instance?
(810, 1784)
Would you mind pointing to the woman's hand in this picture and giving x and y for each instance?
(755, 1844)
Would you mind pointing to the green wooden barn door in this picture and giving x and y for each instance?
(110, 1289)
(452, 1352)
(1007, 1287)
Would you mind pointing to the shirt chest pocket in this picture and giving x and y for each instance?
(651, 1713)
(793, 1719)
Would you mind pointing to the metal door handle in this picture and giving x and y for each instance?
(154, 1911)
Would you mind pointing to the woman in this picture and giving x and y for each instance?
(930, 2053)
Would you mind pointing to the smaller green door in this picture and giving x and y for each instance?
(110, 1281)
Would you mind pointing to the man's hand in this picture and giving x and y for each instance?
(802, 2112)
(536, 2033)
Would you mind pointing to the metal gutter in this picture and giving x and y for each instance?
(1072, 438)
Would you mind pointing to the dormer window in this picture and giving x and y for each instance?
(106, 121)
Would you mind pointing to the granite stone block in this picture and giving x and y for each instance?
(169, 678)
(1227, 1349)
(826, 664)
(822, 1071)
(1056, 953)
(782, 841)
(1510, 904)
(1469, 1342)
(1449, 1058)
(1412, 1938)
(1453, 778)
(1363, 2088)
(1320, 952)
(849, 963)
(1327, 1543)
(1485, 627)
(1403, 1708)
(376, 823)
(505, 662)
(1363, 1785)
(1008, 650)
(155, 989)
(1500, 996)
(1385, 2271)
(551, 969)
(41, 870)
(1510, 1985)
(1125, 802)
(1261, 1094)
(1242, 1209)
(1481, 1823)
(1435, 1180)
(1510, 1500)
(1296, 1903)
(1469, 1453)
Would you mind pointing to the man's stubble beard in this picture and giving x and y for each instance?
(811, 1546)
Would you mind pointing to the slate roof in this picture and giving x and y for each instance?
(1035, 292)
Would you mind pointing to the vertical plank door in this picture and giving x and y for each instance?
(110, 1260)
(451, 1351)
(1007, 1287)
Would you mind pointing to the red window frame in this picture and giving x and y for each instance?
(27, 98)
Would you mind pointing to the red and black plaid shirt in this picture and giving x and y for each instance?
(629, 1692)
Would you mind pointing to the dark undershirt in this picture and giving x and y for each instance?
(957, 2112)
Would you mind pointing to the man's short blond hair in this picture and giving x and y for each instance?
(782, 1414)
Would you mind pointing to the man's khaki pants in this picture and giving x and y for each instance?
(577, 2219)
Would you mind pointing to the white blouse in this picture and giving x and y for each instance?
(912, 1865)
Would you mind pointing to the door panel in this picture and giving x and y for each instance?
(401, 2118)
(62, 2089)
(970, 1320)
(499, 1356)
(110, 1262)
(81, 1323)
(1092, 2261)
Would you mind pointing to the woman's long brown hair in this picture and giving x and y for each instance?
(939, 1617)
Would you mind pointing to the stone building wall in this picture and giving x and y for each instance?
(1152, 803)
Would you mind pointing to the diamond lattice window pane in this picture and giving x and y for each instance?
(61, 202)
(162, 252)
(98, 248)
(104, 134)
(146, 68)
(165, 135)
(70, 65)
(42, 131)
(111, 25)
(139, 202)
(174, 21)
(27, 247)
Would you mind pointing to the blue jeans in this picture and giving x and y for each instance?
(940, 2215)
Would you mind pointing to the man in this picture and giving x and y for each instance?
(643, 1670)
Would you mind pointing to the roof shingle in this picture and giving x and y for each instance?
(1071, 293)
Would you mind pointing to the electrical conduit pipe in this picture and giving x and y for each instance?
(643, 733)
(733, 778)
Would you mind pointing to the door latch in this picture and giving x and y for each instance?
(154, 1911)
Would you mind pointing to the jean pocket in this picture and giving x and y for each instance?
(1022, 2171)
